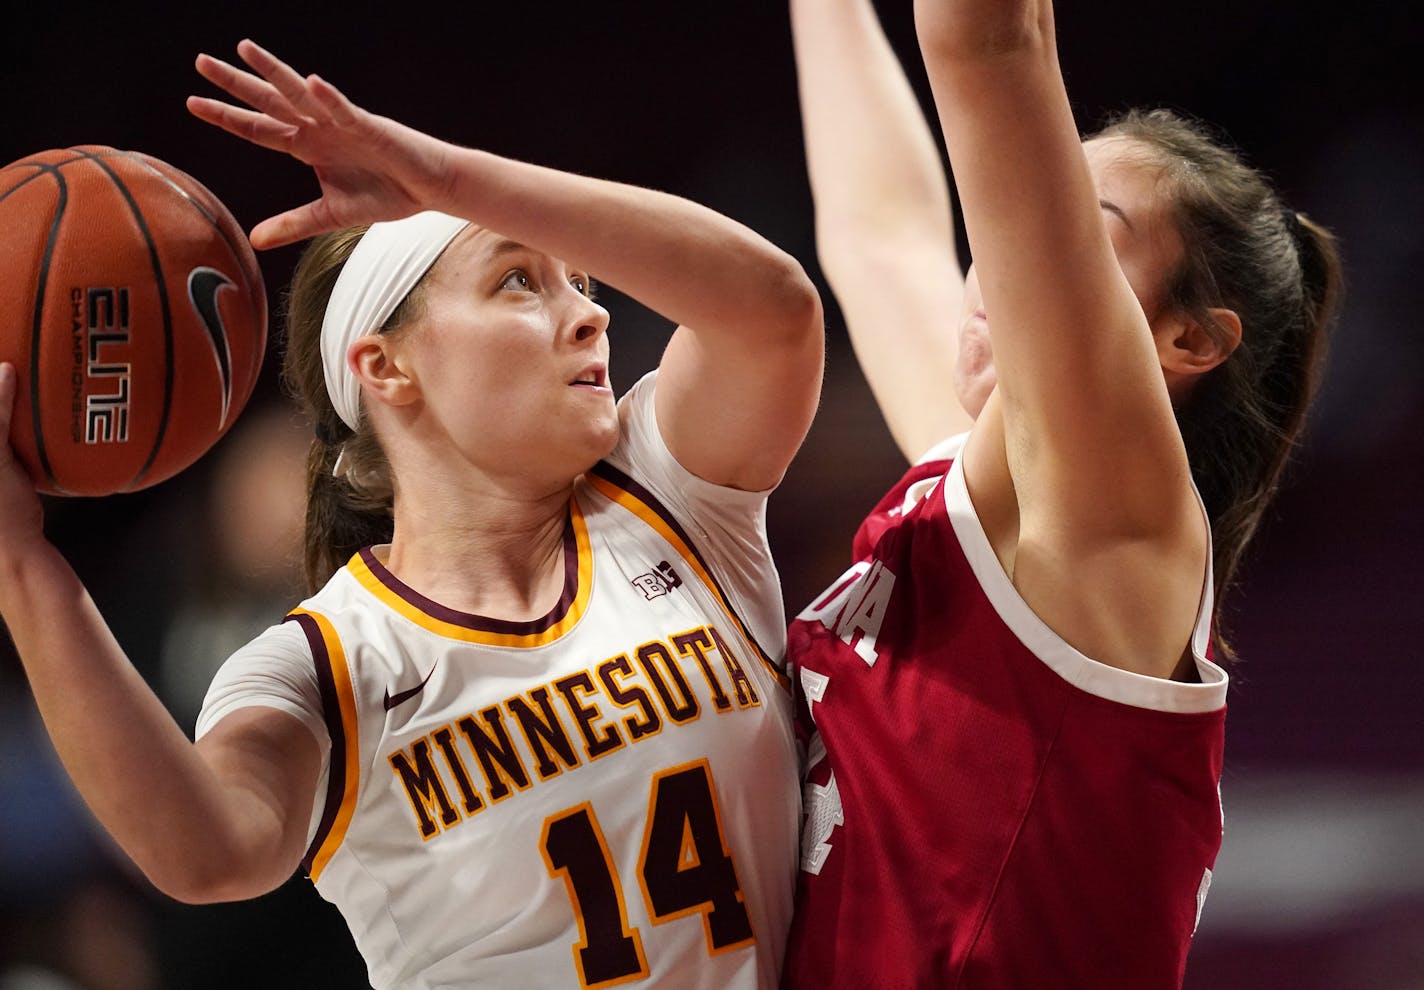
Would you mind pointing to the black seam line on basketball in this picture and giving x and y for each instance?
(400, 697)
(43, 167)
(38, 326)
(50, 166)
(232, 248)
(44, 170)
(167, 319)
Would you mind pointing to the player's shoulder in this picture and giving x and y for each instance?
(321, 616)
(908, 493)
(283, 639)
(923, 475)
(348, 586)
(944, 452)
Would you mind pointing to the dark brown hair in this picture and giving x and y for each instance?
(342, 516)
(1246, 251)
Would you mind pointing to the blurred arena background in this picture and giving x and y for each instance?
(1320, 883)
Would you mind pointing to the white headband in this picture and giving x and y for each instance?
(386, 264)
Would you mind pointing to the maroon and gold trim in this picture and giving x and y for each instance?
(376, 578)
(338, 705)
(617, 487)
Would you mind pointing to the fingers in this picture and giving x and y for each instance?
(255, 92)
(294, 225)
(283, 78)
(338, 107)
(249, 125)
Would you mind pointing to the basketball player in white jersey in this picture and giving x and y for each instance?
(531, 727)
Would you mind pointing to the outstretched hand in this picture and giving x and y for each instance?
(370, 167)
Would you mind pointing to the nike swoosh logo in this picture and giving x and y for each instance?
(204, 284)
(391, 700)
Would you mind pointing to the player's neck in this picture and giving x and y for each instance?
(493, 556)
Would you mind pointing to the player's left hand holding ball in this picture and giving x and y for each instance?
(370, 167)
(21, 516)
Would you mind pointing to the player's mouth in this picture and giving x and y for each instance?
(595, 376)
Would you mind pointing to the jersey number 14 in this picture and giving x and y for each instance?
(684, 868)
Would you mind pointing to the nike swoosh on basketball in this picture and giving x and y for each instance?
(204, 284)
(391, 700)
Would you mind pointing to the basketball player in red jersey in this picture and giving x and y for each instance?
(1014, 730)
(530, 728)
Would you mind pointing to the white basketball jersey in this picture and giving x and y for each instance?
(604, 796)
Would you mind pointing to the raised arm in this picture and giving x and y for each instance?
(1087, 497)
(223, 820)
(748, 352)
(884, 227)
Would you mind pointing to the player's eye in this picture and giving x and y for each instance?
(516, 280)
(584, 285)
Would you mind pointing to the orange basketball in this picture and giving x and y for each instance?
(134, 311)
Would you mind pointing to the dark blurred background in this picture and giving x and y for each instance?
(1320, 883)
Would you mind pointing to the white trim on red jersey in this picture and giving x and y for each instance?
(1083, 672)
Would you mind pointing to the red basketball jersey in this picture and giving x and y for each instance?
(985, 807)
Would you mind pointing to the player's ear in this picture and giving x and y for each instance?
(1188, 349)
(372, 359)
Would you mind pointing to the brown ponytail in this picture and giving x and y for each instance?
(341, 517)
(1280, 272)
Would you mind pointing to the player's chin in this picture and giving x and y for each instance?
(593, 433)
(606, 433)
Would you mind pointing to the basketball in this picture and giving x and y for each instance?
(134, 312)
